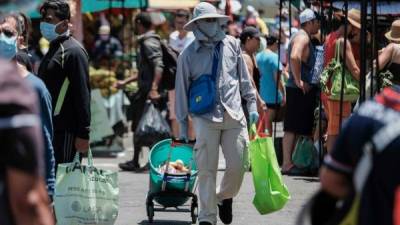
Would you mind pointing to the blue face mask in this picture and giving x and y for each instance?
(8, 47)
(48, 30)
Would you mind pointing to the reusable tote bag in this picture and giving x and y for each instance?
(271, 193)
(85, 195)
(331, 80)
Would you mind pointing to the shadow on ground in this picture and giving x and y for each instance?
(308, 179)
(165, 222)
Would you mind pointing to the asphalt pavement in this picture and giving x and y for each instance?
(134, 187)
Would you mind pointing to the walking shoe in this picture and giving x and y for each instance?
(205, 223)
(129, 166)
(225, 211)
(143, 169)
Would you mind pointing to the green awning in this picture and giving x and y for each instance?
(100, 5)
(89, 6)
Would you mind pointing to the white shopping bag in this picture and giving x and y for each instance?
(85, 195)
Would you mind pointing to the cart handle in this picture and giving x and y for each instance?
(177, 142)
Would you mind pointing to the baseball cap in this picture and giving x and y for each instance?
(307, 15)
(249, 32)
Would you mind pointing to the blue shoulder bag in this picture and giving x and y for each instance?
(202, 91)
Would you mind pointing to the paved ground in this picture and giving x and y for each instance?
(133, 189)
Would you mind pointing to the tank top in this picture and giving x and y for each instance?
(306, 68)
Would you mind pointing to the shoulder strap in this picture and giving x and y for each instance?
(379, 142)
(337, 50)
(64, 87)
(216, 56)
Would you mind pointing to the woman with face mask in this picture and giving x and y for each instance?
(214, 61)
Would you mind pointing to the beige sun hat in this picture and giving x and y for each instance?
(394, 33)
(204, 10)
(354, 17)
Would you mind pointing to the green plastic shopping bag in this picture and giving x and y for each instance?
(85, 194)
(305, 155)
(271, 193)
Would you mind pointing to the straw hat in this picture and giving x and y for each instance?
(354, 17)
(204, 10)
(394, 33)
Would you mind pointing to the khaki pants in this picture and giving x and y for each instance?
(233, 138)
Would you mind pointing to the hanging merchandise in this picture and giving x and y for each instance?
(271, 193)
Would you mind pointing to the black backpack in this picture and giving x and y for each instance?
(170, 58)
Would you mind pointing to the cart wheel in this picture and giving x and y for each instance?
(194, 212)
(150, 211)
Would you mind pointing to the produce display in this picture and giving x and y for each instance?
(104, 80)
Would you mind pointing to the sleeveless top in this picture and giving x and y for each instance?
(306, 68)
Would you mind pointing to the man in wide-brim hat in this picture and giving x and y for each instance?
(223, 123)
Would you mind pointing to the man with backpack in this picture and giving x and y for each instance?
(157, 66)
(363, 166)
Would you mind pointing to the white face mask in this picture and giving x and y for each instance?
(208, 29)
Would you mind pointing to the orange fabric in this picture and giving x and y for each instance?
(263, 124)
(396, 213)
(333, 112)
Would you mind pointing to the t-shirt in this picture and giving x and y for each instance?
(179, 44)
(267, 62)
(378, 196)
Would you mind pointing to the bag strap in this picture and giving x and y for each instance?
(216, 56)
(89, 156)
(378, 143)
(64, 87)
(337, 51)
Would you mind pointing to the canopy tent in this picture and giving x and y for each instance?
(19, 5)
(89, 6)
(383, 7)
(172, 4)
(101, 5)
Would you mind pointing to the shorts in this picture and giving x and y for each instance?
(333, 111)
(300, 107)
(171, 104)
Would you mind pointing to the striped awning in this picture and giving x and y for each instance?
(172, 4)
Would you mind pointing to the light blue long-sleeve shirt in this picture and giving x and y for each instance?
(47, 126)
(233, 80)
